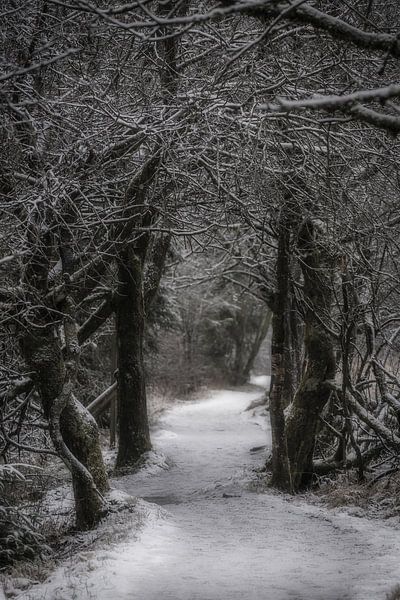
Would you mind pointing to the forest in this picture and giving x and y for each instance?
(199, 304)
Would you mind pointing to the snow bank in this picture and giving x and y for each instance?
(98, 551)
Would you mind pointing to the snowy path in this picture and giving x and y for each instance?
(221, 541)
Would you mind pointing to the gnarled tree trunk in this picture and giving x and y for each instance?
(73, 431)
(81, 435)
(79, 432)
(314, 389)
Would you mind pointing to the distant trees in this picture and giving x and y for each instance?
(233, 328)
(214, 329)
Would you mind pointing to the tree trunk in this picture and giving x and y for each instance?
(79, 431)
(73, 431)
(279, 368)
(133, 427)
(81, 435)
(113, 405)
(314, 391)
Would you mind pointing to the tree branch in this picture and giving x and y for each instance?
(337, 28)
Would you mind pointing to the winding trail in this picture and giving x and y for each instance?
(219, 540)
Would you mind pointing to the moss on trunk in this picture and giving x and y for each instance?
(79, 430)
(81, 434)
(314, 391)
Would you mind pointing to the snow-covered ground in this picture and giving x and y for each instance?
(219, 540)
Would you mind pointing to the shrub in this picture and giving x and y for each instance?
(19, 537)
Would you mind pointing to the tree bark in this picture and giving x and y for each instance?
(73, 431)
(81, 435)
(280, 339)
(133, 428)
(154, 268)
(314, 390)
(78, 429)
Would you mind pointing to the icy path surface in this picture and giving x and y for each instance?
(221, 541)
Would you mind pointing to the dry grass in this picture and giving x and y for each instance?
(380, 500)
